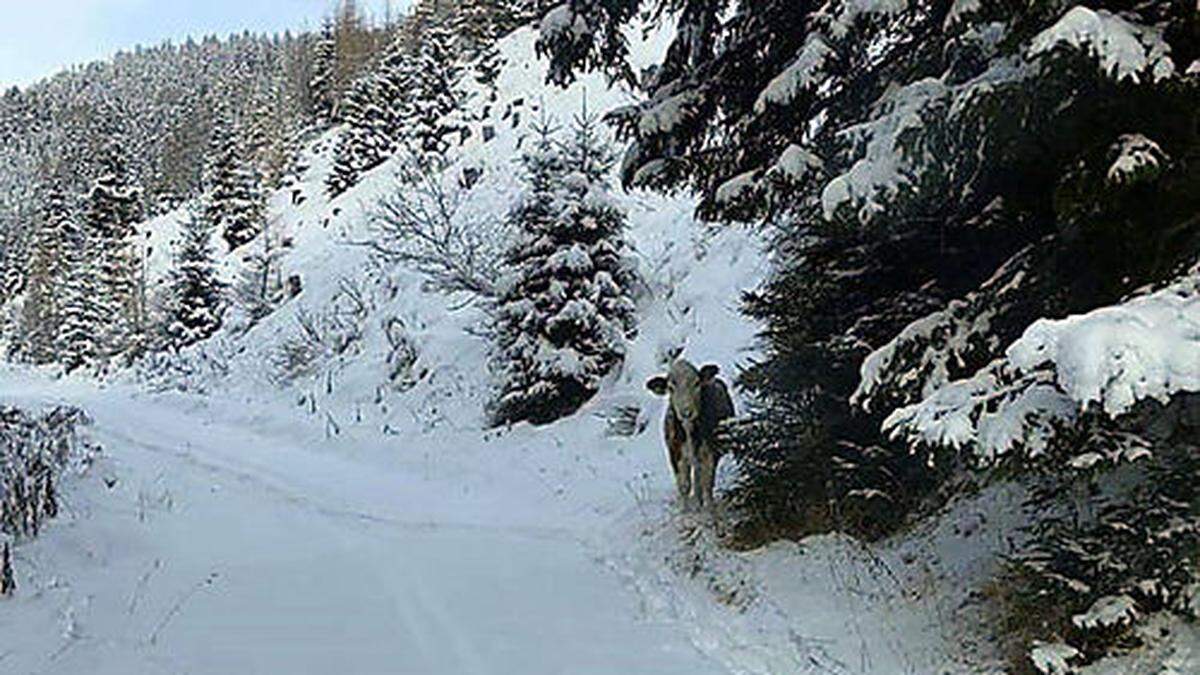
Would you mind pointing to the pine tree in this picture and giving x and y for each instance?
(233, 200)
(371, 130)
(8, 581)
(321, 86)
(430, 116)
(565, 310)
(82, 311)
(41, 315)
(195, 304)
(113, 211)
(260, 287)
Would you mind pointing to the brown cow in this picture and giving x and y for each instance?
(697, 401)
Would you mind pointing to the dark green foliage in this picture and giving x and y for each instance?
(1123, 536)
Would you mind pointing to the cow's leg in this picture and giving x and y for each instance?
(707, 475)
(696, 475)
(676, 439)
(682, 471)
(683, 480)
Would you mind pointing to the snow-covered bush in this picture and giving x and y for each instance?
(34, 451)
(320, 338)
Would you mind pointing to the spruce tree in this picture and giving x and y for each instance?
(234, 201)
(82, 309)
(260, 288)
(195, 303)
(324, 64)
(113, 211)
(8, 580)
(435, 101)
(565, 309)
(41, 313)
(927, 201)
(373, 117)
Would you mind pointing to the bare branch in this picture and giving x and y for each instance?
(421, 225)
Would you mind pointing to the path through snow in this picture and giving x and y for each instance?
(223, 549)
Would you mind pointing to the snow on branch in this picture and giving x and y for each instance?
(932, 350)
(1126, 51)
(1136, 159)
(1105, 361)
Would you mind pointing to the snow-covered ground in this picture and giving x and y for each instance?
(228, 546)
(339, 520)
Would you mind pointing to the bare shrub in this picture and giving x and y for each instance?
(321, 337)
(421, 224)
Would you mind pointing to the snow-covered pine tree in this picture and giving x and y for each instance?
(356, 143)
(82, 310)
(375, 113)
(233, 199)
(113, 211)
(480, 24)
(260, 288)
(324, 64)
(195, 302)
(435, 100)
(566, 308)
(41, 312)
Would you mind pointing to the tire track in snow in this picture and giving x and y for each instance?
(301, 500)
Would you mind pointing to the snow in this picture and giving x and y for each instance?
(667, 114)
(1137, 158)
(231, 543)
(1113, 610)
(1124, 50)
(883, 169)
(1053, 658)
(961, 11)
(1148, 347)
(803, 73)
(737, 188)
(795, 164)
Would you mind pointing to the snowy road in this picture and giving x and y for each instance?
(221, 549)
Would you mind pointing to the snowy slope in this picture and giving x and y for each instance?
(338, 521)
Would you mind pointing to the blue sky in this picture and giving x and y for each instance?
(40, 37)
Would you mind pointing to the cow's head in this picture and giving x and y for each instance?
(682, 385)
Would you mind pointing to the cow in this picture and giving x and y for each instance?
(697, 401)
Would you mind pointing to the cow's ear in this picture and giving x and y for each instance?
(709, 372)
(658, 385)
